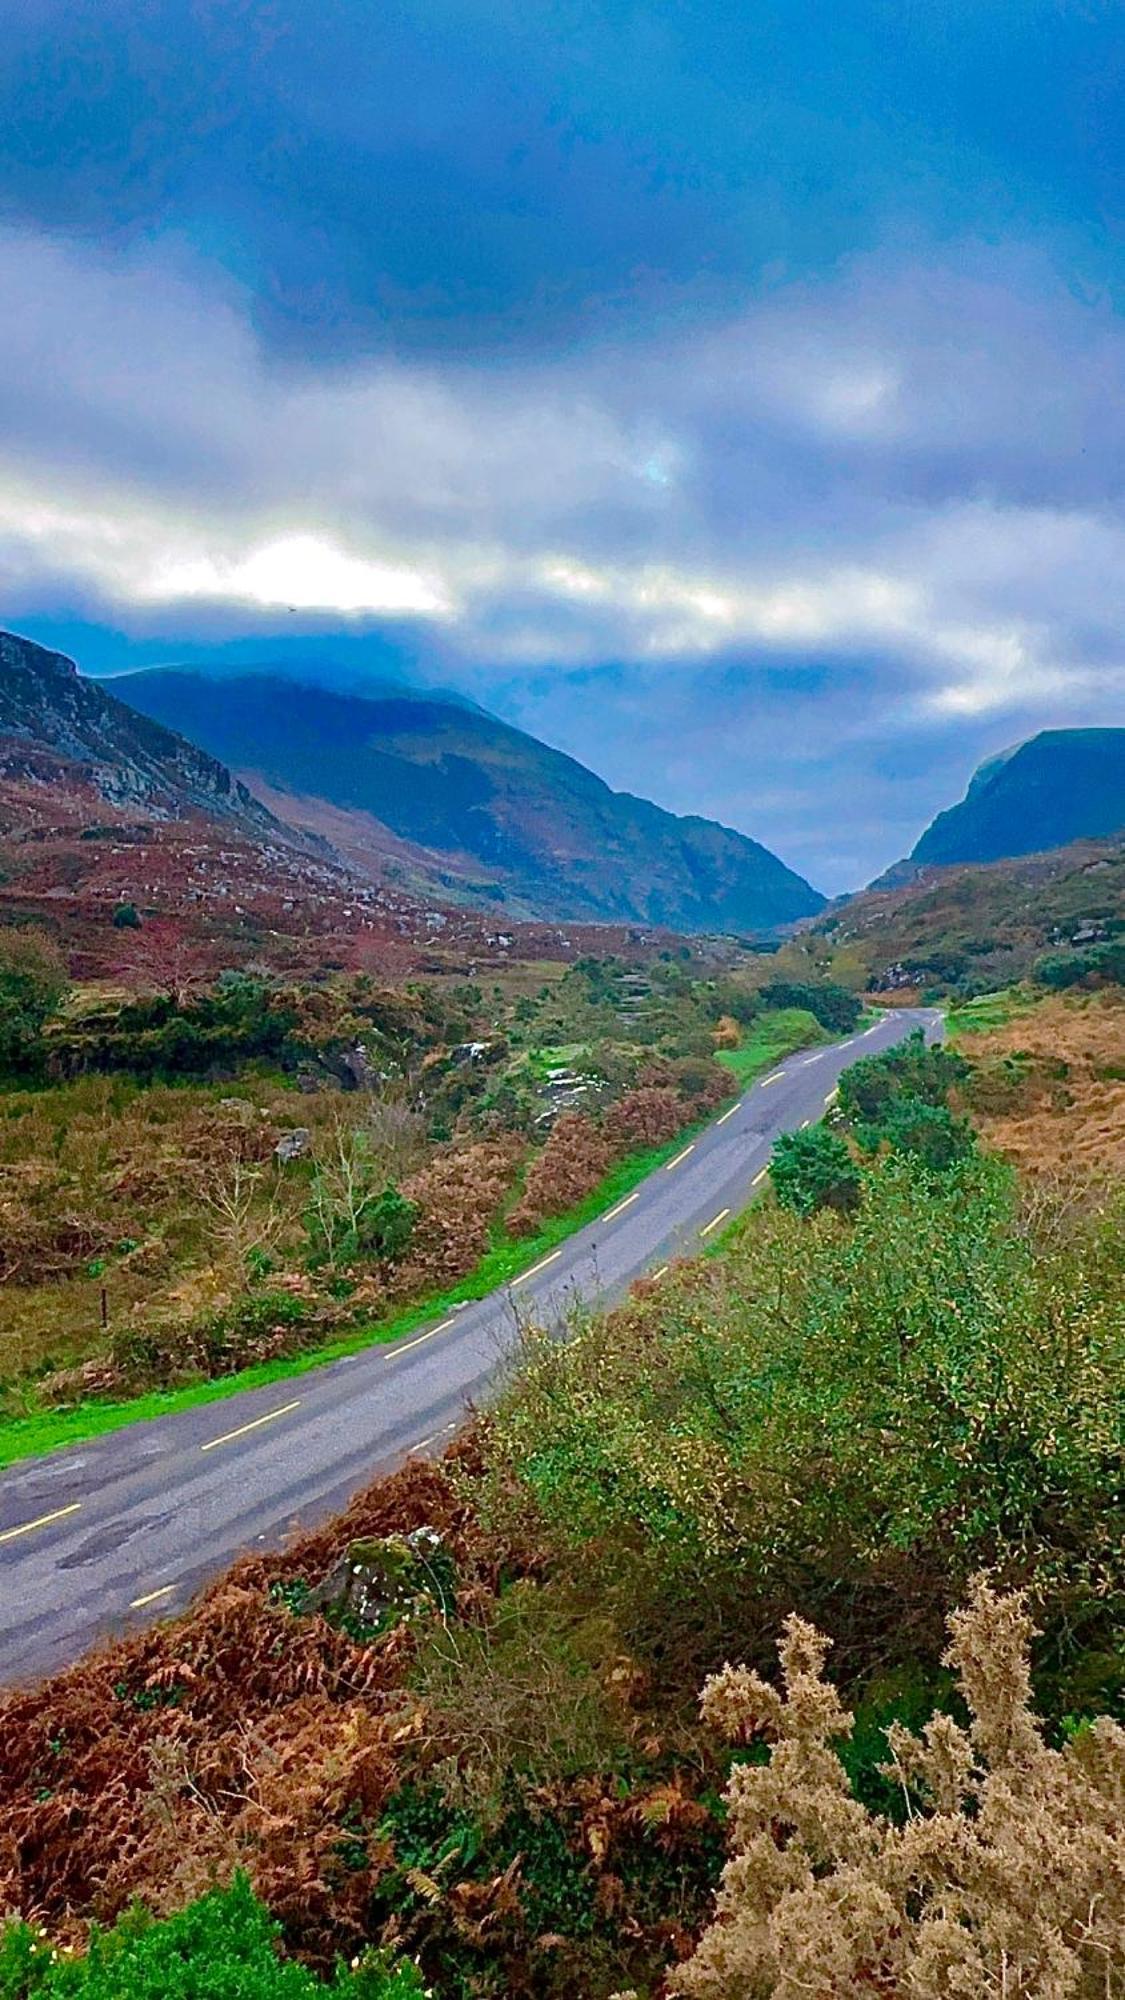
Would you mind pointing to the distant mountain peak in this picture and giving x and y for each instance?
(1058, 786)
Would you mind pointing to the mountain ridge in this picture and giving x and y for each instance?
(485, 807)
(1055, 787)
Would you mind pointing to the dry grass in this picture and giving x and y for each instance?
(148, 1192)
(1070, 1122)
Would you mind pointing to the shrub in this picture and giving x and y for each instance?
(1009, 1876)
(818, 1413)
(833, 1006)
(576, 1157)
(125, 917)
(647, 1116)
(223, 1945)
(928, 1132)
(911, 1069)
(814, 1169)
(1093, 964)
(33, 981)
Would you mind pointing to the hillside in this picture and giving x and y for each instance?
(54, 724)
(1060, 786)
(969, 928)
(454, 798)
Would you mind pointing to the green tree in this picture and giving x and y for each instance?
(33, 980)
(814, 1169)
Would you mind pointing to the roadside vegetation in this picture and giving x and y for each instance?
(461, 1725)
(207, 1181)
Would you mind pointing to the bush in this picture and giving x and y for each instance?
(223, 1947)
(928, 1132)
(911, 1070)
(125, 917)
(823, 1414)
(33, 980)
(1009, 1877)
(576, 1157)
(833, 1006)
(814, 1169)
(1095, 964)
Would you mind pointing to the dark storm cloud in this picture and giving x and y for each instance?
(735, 396)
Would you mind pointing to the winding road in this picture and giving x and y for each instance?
(102, 1536)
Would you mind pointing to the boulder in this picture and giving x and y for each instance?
(292, 1145)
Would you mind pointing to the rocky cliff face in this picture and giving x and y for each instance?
(129, 761)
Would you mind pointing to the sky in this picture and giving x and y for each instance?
(733, 396)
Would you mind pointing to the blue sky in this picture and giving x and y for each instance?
(733, 396)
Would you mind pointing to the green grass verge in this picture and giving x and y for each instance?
(990, 1010)
(43, 1431)
(768, 1039)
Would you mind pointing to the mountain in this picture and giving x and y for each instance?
(1059, 786)
(419, 786)
(55, 724)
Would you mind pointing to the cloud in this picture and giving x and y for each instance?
(879, 506)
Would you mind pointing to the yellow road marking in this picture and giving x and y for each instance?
(423, 1442)
(831, 1097)
(714, 1222)
(151, 1596)
(256, 1425)
(44, 1521)
(759, 1177)
(805, 1123)
(726, 1115)
(662, 1273)
(775, 1078)
(627, 1203)
(419, 1338)
(819, 1057)
(679, 1157)
(536, 1268)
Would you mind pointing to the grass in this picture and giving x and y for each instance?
(42, 1431)
(988, 1011)
(768, 1039)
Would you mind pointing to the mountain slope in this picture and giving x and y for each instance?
(51, 718)
(481, 804)
(1063, 785)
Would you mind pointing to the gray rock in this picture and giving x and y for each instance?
(292, 1145)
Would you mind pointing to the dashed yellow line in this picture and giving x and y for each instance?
(805, 1123)
(269, 1418)
(536, 1268)
(420, 1337)
(726, 1115)
(831, 1097)
(759, 1177)
(775, 1078)
(443, 1432)
(43, 1521)
(622, 1206)
(679, 1157)
(714, 1222)
(662, 1273)
(151, 1596)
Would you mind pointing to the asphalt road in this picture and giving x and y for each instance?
(123, 1530)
